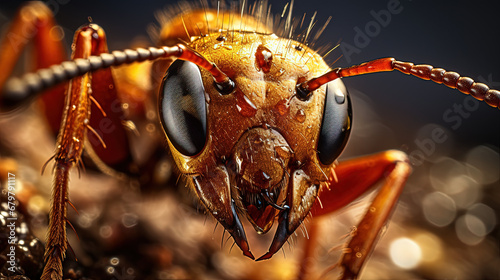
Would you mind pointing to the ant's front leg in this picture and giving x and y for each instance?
(351, 179)
(69, 148)
(93, 92)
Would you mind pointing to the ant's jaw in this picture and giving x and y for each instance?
(215, 194)
(301, 199)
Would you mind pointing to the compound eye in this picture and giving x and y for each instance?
(336, 123)
(182, 107)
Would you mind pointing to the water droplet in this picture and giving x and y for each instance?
(300, 116)
(282, 107)
(263, 58)
(244, 105)
(339, 97)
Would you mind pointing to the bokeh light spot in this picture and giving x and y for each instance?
(439, 209)
(405, 253)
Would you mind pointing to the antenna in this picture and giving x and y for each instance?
(450, 79)
(19, 90)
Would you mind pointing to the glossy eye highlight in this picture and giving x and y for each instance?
(336, 123)
(182, 107)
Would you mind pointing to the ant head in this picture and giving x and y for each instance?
(260, 149)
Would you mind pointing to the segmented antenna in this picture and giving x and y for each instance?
(450, 79)
(18, 90)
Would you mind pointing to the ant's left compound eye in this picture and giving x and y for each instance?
(336, 123)
(182, 107)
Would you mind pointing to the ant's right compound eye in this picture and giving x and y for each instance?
(336, 123)
(182, 107)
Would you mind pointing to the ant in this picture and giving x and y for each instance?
(254, 121)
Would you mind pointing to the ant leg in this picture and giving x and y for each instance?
(76, 126)
(307, 259)
(109, 144)
(34, 22)
(354, 178)
(69, 151)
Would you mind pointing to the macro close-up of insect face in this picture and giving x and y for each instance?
(153, 132)
(249, 147)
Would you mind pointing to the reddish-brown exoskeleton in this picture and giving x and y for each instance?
(254, 121)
